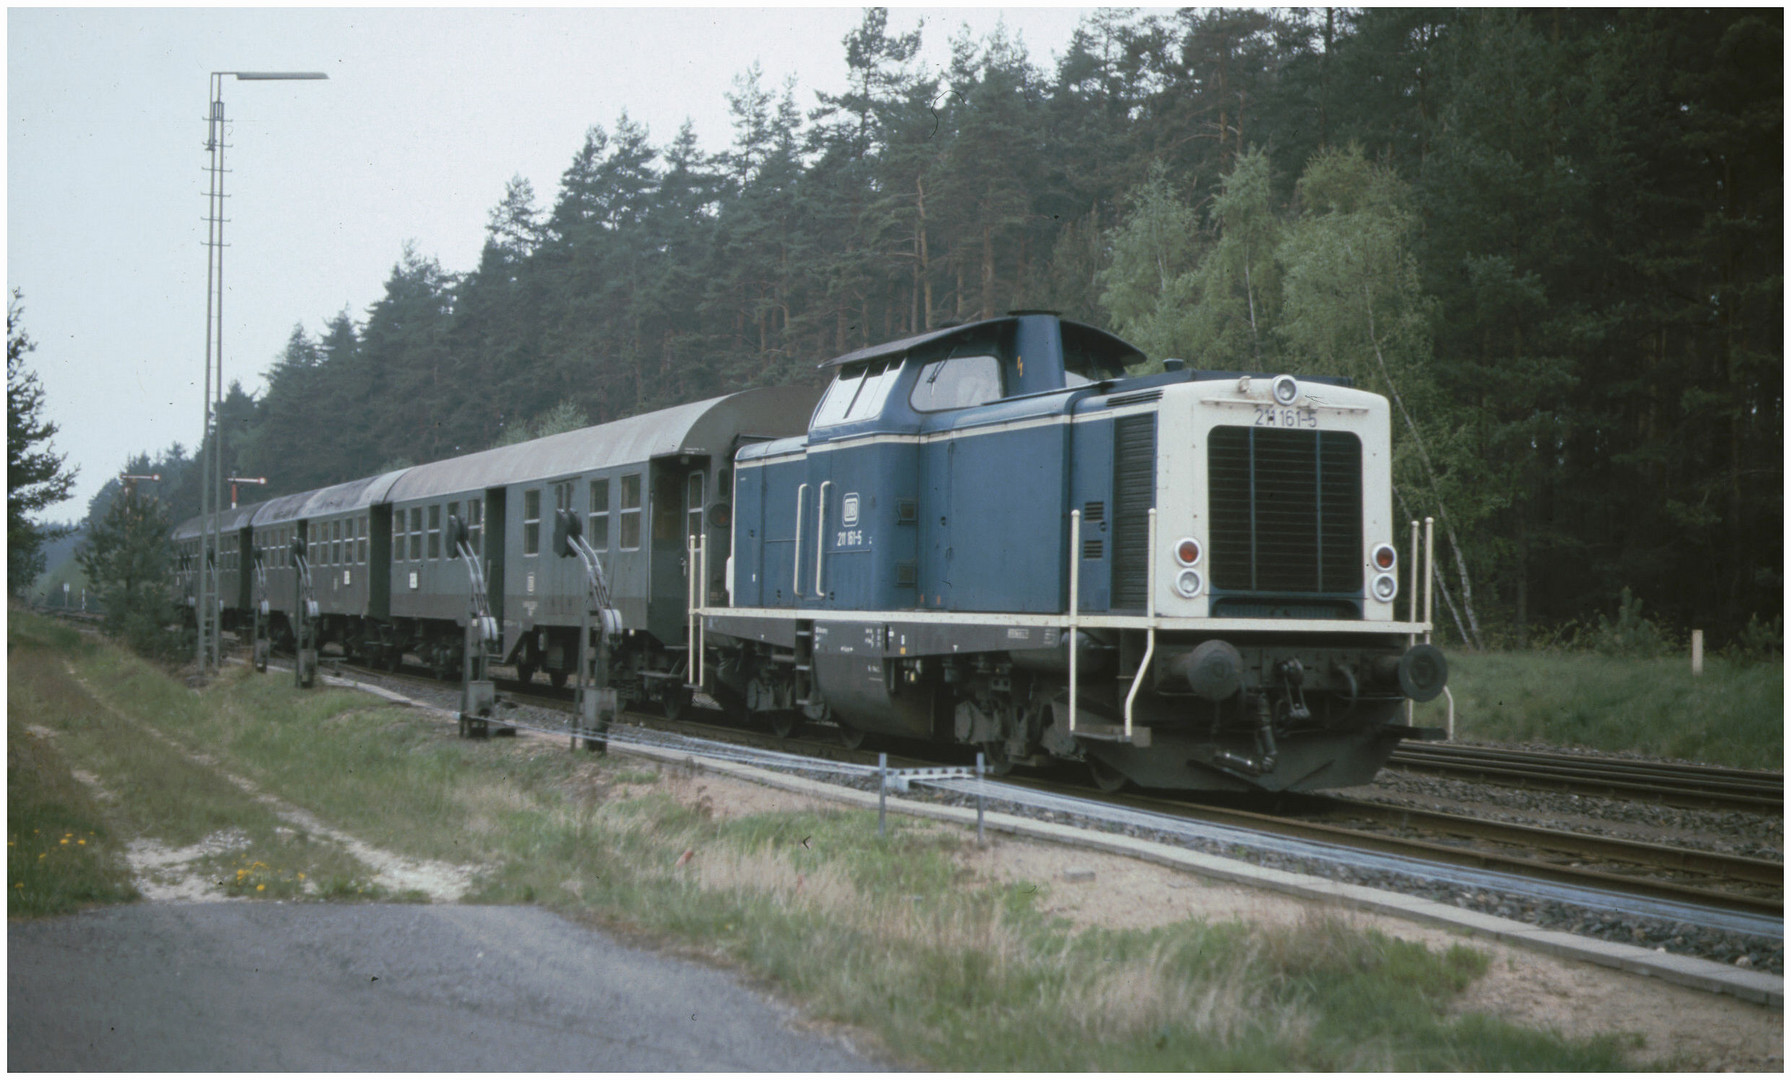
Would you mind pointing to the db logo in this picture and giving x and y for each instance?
(849, 510)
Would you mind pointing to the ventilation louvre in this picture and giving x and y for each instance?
(1134, 493)
(1286, 510)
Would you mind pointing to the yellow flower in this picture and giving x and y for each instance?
(260, 888)
(42, 854)
(81, 842)
(65, 840)
(301, 877)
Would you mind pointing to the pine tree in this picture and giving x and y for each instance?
(36, 476)
(127, 558)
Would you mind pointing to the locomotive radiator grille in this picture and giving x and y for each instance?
(1286, 510)
(1134, 493)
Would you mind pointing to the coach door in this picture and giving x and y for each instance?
(379, 563)
(678, 484)
(488, 541)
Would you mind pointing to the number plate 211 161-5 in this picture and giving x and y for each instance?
(1277, 416)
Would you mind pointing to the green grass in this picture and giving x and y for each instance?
(898, 938)
(1730, 715)
(55, 682)
(60, 854)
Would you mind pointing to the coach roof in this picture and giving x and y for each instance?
(708, 427)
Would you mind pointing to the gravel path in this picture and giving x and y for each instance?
(378, 987)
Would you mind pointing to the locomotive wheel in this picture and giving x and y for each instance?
(1105, 776)
(393, 657)
(525, 673)
(785, 722)
(676, 703)
(995, 758)
(850, 737)
(558, 678)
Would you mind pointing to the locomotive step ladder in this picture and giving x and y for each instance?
(599, 622)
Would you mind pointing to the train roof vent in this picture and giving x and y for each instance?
(1137, 398)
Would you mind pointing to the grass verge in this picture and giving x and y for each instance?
(1730, 715)
(899, 938)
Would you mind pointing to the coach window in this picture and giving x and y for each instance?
(475, 522)
(360, 540)
(416, 533)
(531, 522)
(453, 512)
(957, 382)
(336, 543)
(435, 531)
(397, 536)
(693, 506)
(630, 538)
(599, 519)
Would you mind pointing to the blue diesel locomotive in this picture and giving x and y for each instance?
(987, 534)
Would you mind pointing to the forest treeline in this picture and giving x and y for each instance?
(1552, 237)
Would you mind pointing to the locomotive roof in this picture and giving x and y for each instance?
(699, 427)
(1077, 338)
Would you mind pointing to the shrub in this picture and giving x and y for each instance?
(1633, 636)
(1759, 642)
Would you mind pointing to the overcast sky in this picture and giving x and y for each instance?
(426, 114)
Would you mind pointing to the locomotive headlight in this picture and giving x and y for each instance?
(1385, 588)
(1286, 389)
(1385, 558)
(1187, 551)
(1188, 583)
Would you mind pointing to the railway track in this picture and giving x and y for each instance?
(1661, 872)
(1697, 787)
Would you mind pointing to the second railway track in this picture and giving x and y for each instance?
(1690, 786)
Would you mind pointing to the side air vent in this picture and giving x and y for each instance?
(1134, 493)
(1094, 511)
(1286, 510)
(1093, 549)
(1138, 397)
(905, 576)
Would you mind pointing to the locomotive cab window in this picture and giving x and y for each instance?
(858, 393)
(531, 522)
(597, 529)
(957, 382)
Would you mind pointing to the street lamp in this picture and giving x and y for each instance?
(211, 477)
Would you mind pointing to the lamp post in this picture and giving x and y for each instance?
(211, 476)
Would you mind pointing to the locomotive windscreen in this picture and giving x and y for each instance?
(1286, 510)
